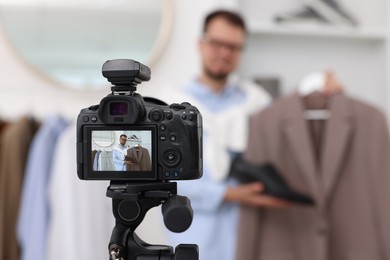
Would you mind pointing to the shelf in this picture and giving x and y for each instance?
(318, 30)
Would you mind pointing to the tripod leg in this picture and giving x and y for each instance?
(125, 244)
(118, 241)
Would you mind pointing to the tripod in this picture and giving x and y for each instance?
(131, 202)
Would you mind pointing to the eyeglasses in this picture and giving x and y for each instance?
(218, 44)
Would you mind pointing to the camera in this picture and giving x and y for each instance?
(140, 144)
(158, 142)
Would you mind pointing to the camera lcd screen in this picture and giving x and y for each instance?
(122, 154)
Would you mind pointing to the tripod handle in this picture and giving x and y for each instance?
(177, 213)
(187, 252)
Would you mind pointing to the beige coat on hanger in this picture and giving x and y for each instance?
(351, 219)
(140, 159)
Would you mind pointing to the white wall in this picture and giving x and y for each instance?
(24, 90)
(359, 61)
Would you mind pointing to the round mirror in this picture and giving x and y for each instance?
(69, 40)
(103, 138)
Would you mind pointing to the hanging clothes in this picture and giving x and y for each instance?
(34, 209)
(15, 141)
(3, 125)
(107, 163)
(81, 219)
(350, 220)
(139, 158)
(94, 165)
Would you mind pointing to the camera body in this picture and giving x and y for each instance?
(159, 141)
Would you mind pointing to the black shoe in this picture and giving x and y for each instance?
(274, 183)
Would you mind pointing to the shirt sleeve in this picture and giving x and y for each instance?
(117, 158)
(205, 194)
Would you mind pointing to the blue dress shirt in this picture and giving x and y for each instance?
(34, 210)
(118, 157)
(214, 227)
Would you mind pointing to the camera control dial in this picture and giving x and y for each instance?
(156, 115)
(171, 157)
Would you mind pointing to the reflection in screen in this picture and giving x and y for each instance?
(131, 150)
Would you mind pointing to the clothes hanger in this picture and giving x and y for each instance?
(312, 83)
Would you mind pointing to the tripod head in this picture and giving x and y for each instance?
(131, 201)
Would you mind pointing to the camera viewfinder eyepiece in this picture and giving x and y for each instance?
(125, 74)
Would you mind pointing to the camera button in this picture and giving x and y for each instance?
(167, 174)
(171, 157)
(85, 119)
(156, 115)
(169, 115)
(184, 116)
(94, 119)
(191, 117)
(163, 138)
(173, 138)
(163, 127)
(175, 174)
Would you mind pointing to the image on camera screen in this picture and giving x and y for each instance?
(122, 150)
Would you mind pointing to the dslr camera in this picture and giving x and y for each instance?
(141, 145)
(163, 142)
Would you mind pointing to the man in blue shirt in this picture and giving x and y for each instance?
(119, 152)
(226, 105)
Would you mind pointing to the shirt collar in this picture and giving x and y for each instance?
(200, 90)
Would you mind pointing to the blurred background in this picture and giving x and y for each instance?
(52, 52)
(51, 58)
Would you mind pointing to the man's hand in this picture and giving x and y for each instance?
(252, 195)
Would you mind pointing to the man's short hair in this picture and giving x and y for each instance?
(231, 17)
(122, 135)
